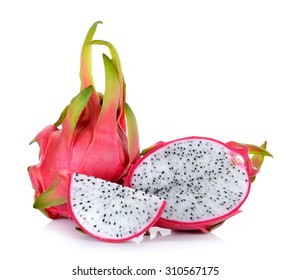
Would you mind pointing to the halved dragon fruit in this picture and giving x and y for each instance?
(112, 212)
(203, 180)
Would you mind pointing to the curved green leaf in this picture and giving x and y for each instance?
(62, 117)
(114, 54)
(132, 134)
(256, 150)
(86, 58)
(111, 93)
(76, 107)
(49, 198)
(146, 150)
(258, 159)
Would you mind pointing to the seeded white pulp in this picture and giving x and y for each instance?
(200, 179)
(110, 211)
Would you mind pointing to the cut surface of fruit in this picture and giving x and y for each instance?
(112, 212)
(203, 181)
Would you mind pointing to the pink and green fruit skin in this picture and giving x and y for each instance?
(96, 134)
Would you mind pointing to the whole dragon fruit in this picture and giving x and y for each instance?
(98, 136)
(203, 180)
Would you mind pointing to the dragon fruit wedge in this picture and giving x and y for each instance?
(112, 212)
(203, 180)
(96, 134)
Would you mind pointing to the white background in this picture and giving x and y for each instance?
(210, 68)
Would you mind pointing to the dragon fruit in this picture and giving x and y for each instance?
(112, 212)
(203, 180)
(98, 136)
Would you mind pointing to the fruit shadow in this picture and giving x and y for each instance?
(67, 228)
(166, 235)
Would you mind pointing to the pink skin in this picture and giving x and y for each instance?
(104, 156)
(89, 142)
(206, 225)
(137, 234)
